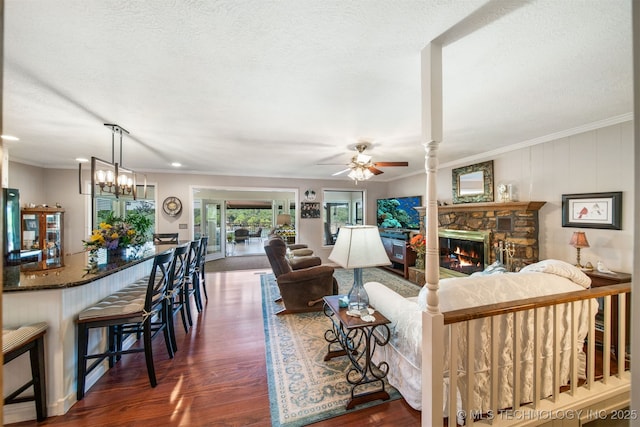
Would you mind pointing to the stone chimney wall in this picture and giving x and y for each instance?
(515, 223)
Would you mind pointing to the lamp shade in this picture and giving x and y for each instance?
(359, 246)
(283, 219)
(579, 240)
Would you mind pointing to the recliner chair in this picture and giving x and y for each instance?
(301, 289)
(296, 249)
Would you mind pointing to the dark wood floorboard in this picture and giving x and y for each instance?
(218, 376)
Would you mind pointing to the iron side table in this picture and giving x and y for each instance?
(351, 336)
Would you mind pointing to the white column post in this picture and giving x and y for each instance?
(432, 319)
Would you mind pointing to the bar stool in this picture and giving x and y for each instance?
(165, 238)
(132, 310)
(16, 342)
(204, 241)
(176, 293)
(192, 276)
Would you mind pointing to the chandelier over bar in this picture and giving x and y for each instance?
(112, 177)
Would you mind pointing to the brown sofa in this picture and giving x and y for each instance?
(302, 280)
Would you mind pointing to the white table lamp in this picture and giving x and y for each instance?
(358, 247)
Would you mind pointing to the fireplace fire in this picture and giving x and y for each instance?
(464, 251)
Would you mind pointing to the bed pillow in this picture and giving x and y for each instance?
(559, 268)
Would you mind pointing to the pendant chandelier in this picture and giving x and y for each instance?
(112, 177)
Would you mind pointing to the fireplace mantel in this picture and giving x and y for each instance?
(491, 206)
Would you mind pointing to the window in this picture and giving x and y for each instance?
(340, 208)
(104, 204)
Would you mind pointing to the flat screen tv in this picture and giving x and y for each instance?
(399, 212)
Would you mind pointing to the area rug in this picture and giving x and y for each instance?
(303, 388)
(245, 262)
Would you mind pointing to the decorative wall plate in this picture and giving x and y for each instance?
(172, 206)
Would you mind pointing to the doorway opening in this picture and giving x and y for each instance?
(238, 220)
(340, 208)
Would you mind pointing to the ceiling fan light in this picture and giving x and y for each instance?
(360, 173)
(363, 158)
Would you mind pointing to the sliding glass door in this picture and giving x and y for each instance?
(208, 222)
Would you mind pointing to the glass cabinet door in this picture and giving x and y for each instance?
(30, 231)
(53, 240)
(42, 235)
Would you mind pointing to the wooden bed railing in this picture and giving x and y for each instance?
(576, 400)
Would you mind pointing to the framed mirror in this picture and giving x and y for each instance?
(474, 183)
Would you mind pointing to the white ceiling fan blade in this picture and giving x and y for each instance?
(341, 172)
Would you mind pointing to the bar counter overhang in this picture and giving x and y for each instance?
(56, 295)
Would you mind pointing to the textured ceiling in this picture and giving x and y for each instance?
(280, 88)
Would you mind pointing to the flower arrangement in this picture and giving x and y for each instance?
(418, 244)
(111, 236)
(115, 232)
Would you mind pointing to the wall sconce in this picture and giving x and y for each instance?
(112, 177)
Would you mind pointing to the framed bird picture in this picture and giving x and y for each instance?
(592, 210)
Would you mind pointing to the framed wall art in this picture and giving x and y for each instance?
(309, 210)
(592, 210)
(473, 184)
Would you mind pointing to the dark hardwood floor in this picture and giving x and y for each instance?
(217, 378)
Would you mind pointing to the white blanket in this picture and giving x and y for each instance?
(404, 352)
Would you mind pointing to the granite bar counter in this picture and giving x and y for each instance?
(56, 294)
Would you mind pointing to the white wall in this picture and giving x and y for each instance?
(590, 162)
(595, 161)
(52, 186)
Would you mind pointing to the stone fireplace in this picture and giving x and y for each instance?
(503, 224)
(463, 251)
(512, 223)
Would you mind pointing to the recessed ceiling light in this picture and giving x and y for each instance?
(81, 160)
(10, 138)
(176, 164)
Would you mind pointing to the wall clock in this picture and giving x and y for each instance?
(172, 206)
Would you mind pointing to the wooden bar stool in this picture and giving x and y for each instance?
(192, 276)
(176, 293)
(16, 342)
(204, 242)
(136, 309)
(165, 238)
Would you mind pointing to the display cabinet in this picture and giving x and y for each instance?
(401, 256)
(42, 229)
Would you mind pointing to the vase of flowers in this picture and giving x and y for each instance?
(419, 246)
(116, 234)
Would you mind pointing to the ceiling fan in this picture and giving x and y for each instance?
(362, 168)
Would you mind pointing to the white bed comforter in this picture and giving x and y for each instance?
(404, 352)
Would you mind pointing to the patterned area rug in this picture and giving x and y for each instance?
(303, 388)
